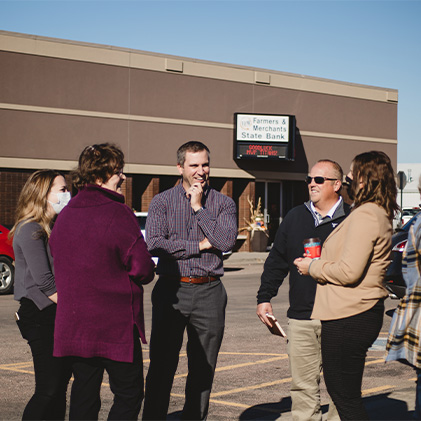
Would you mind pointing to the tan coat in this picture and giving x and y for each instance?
(353, 263)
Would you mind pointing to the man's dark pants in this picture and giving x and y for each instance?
(199, 308)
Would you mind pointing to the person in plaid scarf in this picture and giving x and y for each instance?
(405, 330)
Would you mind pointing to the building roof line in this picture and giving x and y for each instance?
(138, 59)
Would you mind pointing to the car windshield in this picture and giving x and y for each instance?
(407, 212)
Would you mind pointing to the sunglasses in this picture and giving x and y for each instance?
(318, 179)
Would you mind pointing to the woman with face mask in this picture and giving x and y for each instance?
(350, 293)
(42, 198)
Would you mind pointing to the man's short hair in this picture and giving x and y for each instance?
(192, 146)
(337, 169)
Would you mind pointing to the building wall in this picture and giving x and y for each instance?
(58, 96)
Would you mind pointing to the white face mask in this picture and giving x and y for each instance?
(63, 200)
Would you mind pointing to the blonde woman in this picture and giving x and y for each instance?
(42, 198)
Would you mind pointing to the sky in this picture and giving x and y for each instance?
(367, 42)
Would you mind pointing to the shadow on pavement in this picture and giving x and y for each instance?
(232, 269)
(390, 312)
(176, 415)
(379, 407)
(384, 407)
(267, 411)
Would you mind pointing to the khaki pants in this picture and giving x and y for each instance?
(305, 360)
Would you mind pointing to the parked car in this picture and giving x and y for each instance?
(394, 282)
(141, 219)
(408, 213)
(7, 257)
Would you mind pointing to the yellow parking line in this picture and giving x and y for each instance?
(17, 370)
(376, 389)
(257, 354)
(232, 367)
(6, 366)
(241, 405)
(269, 360)
(238, 405)
(374, 362)
(253, 353)
(286, 380)
(270, 410)
(177, 395)
(18, 367)
(253, 387)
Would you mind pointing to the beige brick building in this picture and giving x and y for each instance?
(58, 96)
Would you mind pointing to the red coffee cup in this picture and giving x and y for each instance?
(312, 247)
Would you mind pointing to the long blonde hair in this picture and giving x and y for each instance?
(32, 203)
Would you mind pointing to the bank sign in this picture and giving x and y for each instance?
(264, 136)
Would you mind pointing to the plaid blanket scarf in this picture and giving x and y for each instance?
(405, 330)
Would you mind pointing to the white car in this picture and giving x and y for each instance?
(408, 213)
(141, 219)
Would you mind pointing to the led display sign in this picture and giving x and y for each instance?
(264, 136)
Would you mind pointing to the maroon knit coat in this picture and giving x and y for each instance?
(100, 263)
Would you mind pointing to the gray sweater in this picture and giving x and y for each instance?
(34, 277)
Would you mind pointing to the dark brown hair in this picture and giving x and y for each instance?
(98, 163)
(374, 170)
(32, 203)
(193, 146)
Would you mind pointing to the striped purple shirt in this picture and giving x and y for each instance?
(173, 232)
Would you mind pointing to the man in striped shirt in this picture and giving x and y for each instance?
(188, 228)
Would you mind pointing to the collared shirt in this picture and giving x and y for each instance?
(318, 218)
(174, 231)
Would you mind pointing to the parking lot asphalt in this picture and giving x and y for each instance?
(252, 378)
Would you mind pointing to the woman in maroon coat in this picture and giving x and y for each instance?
(101, 261)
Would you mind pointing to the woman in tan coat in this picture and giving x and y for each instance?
(350, 293)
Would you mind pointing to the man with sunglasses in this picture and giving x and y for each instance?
(316, 218)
